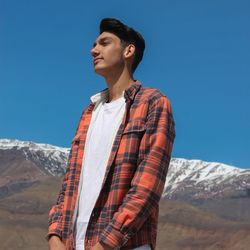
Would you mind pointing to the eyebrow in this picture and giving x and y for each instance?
(102, 40)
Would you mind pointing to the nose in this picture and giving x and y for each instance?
(94, 51)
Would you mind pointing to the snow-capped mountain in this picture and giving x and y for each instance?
(208, 199)
(186, 179)
(195, 179)
(50, 159)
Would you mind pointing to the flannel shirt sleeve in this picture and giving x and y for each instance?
(56, 214)
(148, 182)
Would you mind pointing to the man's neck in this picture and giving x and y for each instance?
(117, 85)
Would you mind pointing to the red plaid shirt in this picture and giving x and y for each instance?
(126, 212)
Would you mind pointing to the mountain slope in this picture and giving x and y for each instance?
(186, 180)
(45, 158)
(196, 179)
(31, 175)
(23, 220)
(24, 163)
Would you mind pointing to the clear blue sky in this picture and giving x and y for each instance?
(197, 53)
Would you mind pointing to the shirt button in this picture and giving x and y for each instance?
(93, 215)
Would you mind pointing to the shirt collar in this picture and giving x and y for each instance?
(129, 93)
(101, 96)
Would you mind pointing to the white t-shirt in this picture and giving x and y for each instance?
(104, 124)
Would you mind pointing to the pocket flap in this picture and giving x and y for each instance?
(135, 126)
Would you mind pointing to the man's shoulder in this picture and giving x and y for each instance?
(149, 94)
(150, 91)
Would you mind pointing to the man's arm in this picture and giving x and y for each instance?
(148, 182)
(55, 243)
(56, 212)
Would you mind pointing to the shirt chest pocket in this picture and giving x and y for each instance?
(130, 143)
(135, 127)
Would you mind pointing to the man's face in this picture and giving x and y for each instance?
(107, 54)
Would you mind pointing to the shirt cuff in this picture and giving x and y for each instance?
(113, 237)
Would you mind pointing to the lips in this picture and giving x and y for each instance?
(96, 60)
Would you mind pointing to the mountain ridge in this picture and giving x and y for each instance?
(205, 205)
(193, 178)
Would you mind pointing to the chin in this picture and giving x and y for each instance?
(100, 71)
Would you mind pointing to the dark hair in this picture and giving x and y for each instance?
(127, 35)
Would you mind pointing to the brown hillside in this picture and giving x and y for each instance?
(23, 220)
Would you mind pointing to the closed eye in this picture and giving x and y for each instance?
(103, 41)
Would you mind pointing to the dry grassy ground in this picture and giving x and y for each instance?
(182, 226)
(23, 223)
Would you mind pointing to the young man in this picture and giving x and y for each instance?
(119, 156)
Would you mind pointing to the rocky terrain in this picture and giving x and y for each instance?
(205, 205)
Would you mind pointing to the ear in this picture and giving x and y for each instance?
(129, 51)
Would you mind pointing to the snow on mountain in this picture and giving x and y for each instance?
(51, 158)
(186, 179)
(9, 144)
(200, 179)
